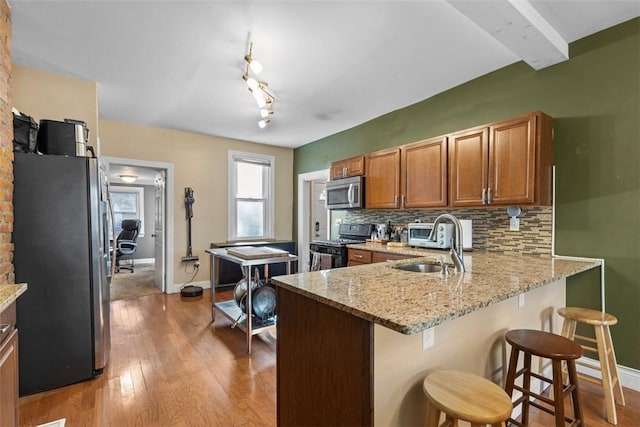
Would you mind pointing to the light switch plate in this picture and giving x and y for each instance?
(520, 300)
(428, 338)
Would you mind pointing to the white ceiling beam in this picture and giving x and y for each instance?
(519, 27)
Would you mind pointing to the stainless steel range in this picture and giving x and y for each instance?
(333, 253)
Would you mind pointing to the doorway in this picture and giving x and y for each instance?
(311, 210)
(154, 181)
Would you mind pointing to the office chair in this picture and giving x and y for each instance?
(127, 242)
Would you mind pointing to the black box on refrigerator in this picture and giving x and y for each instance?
(68, 138)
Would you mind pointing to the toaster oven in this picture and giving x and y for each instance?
(419, 235)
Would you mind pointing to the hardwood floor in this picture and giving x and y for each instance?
(170, 367)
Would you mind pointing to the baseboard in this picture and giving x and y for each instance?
(144, 260)
(204, 284)
(629, 377)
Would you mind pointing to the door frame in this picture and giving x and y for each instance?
(304, 211)
(168, 211)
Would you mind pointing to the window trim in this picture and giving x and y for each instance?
(269, 220)
(140, 207)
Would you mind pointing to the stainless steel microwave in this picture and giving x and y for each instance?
(346, 193)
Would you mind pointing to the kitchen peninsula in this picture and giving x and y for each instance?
(349, 347)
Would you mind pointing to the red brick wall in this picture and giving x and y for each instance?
(6, 148)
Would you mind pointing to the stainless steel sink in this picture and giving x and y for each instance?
(419, 267)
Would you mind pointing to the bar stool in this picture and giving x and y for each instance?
(604, 349)
(465, 396)
(549, 346)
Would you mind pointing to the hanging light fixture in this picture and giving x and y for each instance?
(258, 88)
(256, 67)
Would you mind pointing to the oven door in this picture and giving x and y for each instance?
(345, 193)
(323, 257)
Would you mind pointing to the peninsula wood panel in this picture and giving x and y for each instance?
(424, 174)
(324, 365)
(382, 184)
(469, 151)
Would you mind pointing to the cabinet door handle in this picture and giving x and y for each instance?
(483, 196)
(403, 199)
(4, 328)
(344, 172)
(489, 196)
(395, 201)
(357, 256)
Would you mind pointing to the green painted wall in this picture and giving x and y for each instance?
(594, 99)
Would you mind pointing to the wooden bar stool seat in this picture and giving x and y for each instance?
(549, 346)
(604, 349)
(465, 396)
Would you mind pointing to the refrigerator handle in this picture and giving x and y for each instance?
(113, 232)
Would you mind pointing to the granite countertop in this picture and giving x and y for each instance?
(410, 302)
(9, 293)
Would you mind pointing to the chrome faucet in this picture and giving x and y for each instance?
(456, 247)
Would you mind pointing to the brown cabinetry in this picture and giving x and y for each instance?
(424, 174)
(505, 163)
(353, 166)
(384, 257)
(9, 403)
(360, 256)
(410, 176)
(382, 185)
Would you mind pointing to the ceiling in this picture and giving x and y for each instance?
(331, 64)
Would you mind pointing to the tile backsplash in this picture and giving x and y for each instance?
(490, 226)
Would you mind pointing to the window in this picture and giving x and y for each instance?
(250, 196)
(128, 203)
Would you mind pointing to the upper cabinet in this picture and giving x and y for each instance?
(382, 184)
(407, 177)
(468, 162)
(506, 163)
(353, 166)
(424, 174)
(499, 164)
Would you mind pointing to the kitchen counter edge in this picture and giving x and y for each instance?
(372, 291)
(10, 293)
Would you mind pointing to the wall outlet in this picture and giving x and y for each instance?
(428, 338)
(520, 300)
(514, 224)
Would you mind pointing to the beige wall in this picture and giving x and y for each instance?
(45, 95)
(199, 161)
(472, 343)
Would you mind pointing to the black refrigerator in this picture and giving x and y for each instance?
(61, 246)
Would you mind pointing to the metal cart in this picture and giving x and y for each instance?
(229, 308)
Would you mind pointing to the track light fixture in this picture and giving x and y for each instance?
(259, 89)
